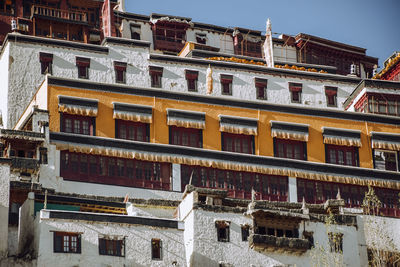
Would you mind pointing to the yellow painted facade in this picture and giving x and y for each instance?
(105, 124)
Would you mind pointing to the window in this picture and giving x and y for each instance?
(222, 231)
(135, 31)
(77, 124)
(115, 171)
(120, 72)
(7, 6)
(342, 155)
(239, 143)
(386, 160)
(112, 246)
(66, 242)
(336, 242)
(226, 84)
(156, 249)
(201, 38)
(191, 78)
(46, 63)
(290, 149)
(331, 96)
(129, 130)
(261, 87)
(245, 232)
(83, 65)
(186, 137)
(295, 92)
(156, 76)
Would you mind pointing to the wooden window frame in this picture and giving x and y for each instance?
(156, 76)
(115, 171)
(46, 63)
(241, 138)
(75, 119)
(331, 96)
(226, 84)
(189, 132)
(59, 237)
(156, 249)
(343, 150)
(191, 80)
(261, 88)
(245, 230)
(120, 72)
(238, 184)
(223, 231)
(294, 143)
(295, 90)
(112, 247)
(83, 65)
(396, 153)
(132, 126)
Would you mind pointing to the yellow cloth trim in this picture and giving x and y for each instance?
(289, 135)
(186, 123)
(342, 141)
(73, 110)
(386, 145)
(237, 129)
(133, 117)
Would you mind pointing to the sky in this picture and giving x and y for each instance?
(371, 24)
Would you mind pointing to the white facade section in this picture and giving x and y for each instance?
(137, 243)
(292, 189)
(4, 74)
(21, 88)
(176, 177)
(4, 206)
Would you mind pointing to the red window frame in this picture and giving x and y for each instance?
(226, 84)
(66, 242)
(186, 136)
(120, 71)
(115, 171)
(261, 88)
(238, 184)
(130, 130)
(83, 65)
(239, 143)
(156, 76)
(191, 78)
(112, 247)
(46, 63)
(342, 155)
(290, 149)
(331, 96)
(77, 124)
(295, 92)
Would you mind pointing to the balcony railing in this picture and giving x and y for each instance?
(273, 243)
(24, 164)
(59, 13)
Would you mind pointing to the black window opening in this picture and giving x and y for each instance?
(331, 96)
(66, 242)
(295, 92)
(226, 84)
(46, 63)
(261, 88)
(222, 231)
(156, 76)
(83, 65)
(112, 247)
(120, 72)
(191, 78)
(156, 249)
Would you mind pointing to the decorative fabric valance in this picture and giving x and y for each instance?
(238, 125)
(77, 106)
(385, 141)
(186, 119)
(341, 137)
(289, 130)
(129, 112)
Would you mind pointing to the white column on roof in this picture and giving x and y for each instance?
(176, 177)
(292, 189)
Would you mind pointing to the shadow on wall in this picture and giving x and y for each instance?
(197, 259)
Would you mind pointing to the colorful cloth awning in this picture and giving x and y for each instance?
(341, 137)
(385, 141)
(238, 125)
(289, 130)
(186, 119)
(136, 113)
(77, 106)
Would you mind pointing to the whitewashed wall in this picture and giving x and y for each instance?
(137, 244)
(25, 76)
(4, 81)
(4, 205)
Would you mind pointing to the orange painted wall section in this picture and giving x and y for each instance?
(105, 125)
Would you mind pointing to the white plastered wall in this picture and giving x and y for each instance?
(4, 65)
(4, 206)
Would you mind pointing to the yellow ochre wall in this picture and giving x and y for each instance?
(105, 125)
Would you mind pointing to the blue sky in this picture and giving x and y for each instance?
(371, 24)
